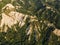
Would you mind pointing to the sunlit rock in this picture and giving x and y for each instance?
(12, 17)
(8, 7)
(47, 7)
(56, 32)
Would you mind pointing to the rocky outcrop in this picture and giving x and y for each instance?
(10, 17)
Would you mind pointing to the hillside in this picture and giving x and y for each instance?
(29, 22)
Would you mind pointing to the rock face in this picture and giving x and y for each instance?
(56, 32)
(11, 17)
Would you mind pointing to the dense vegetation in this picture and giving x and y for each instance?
(46, 11)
